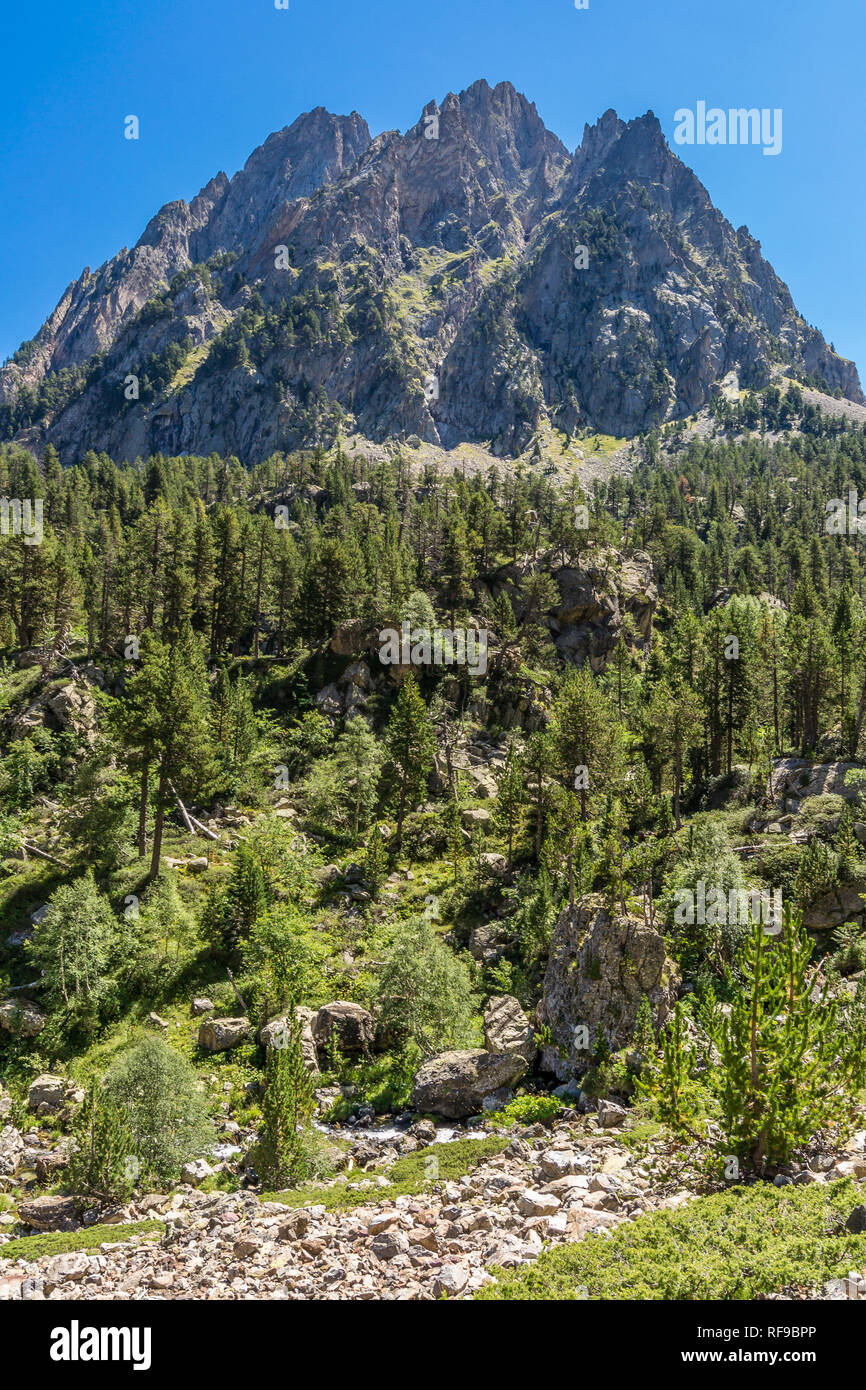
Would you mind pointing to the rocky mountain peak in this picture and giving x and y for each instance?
(446, 251)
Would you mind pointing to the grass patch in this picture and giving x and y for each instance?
(61, 1242)
(734, 1245)
(406, 1178)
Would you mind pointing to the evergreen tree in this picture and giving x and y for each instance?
(409, 748)
(287, 1110)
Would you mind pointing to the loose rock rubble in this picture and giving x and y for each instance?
(551, 1188)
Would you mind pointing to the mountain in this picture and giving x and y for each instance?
(428, 284)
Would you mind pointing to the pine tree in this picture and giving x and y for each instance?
(510, 799)
(375, 862)
(409, 746)
(102, 1161)
(789, 1063)
(166, 723)
(359, 763)
(287, 1109)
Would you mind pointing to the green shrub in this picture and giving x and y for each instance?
(158, 1091)
(425, 991)
(528, 1110)
(739, 1244)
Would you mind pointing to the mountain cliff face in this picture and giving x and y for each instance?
(427, 284)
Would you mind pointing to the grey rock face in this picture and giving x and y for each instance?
(22, 1017)
(11, 1150)
(408, 257)
(599, 967)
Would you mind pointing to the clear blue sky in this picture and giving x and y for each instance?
(210, 79)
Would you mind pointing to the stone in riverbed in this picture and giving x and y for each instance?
(455, 1084)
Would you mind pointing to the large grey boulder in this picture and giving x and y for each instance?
(507, 1028)
(47, 1093)
(352, 1026)
(456, 1084)
(600, 965)
(220, 1034)
(49, 1213)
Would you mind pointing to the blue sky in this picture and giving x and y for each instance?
(210, 79)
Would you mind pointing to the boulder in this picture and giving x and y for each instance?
(563, 1163)
(49, 1213)
(455, 1084)
(48, 1091)
(424, 1131)
(350, 637)
(831, 909)
(485, 782)
(856, 1222)
(610, 1115)
(352, 1026)
(196, 1171)
(600, 965)
(329, 700)
(49, 1164)
(483, 940)
(220, 1034)
(507, 1029)
(74, 708)
(494, 863)
(22, 1017)
(532, 1203)
(11, 1151)
(450, 1281)
(275, 1032)
(201, 1005)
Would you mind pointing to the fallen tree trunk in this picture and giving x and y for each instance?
(204, 829)
(189, 819)
(43, 854)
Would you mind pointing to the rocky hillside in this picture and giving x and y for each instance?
(428, 285)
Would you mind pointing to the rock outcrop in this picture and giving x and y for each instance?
(21, 1017)
(600, 966)
(275, 1032)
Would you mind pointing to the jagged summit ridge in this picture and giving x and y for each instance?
(422, 283)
